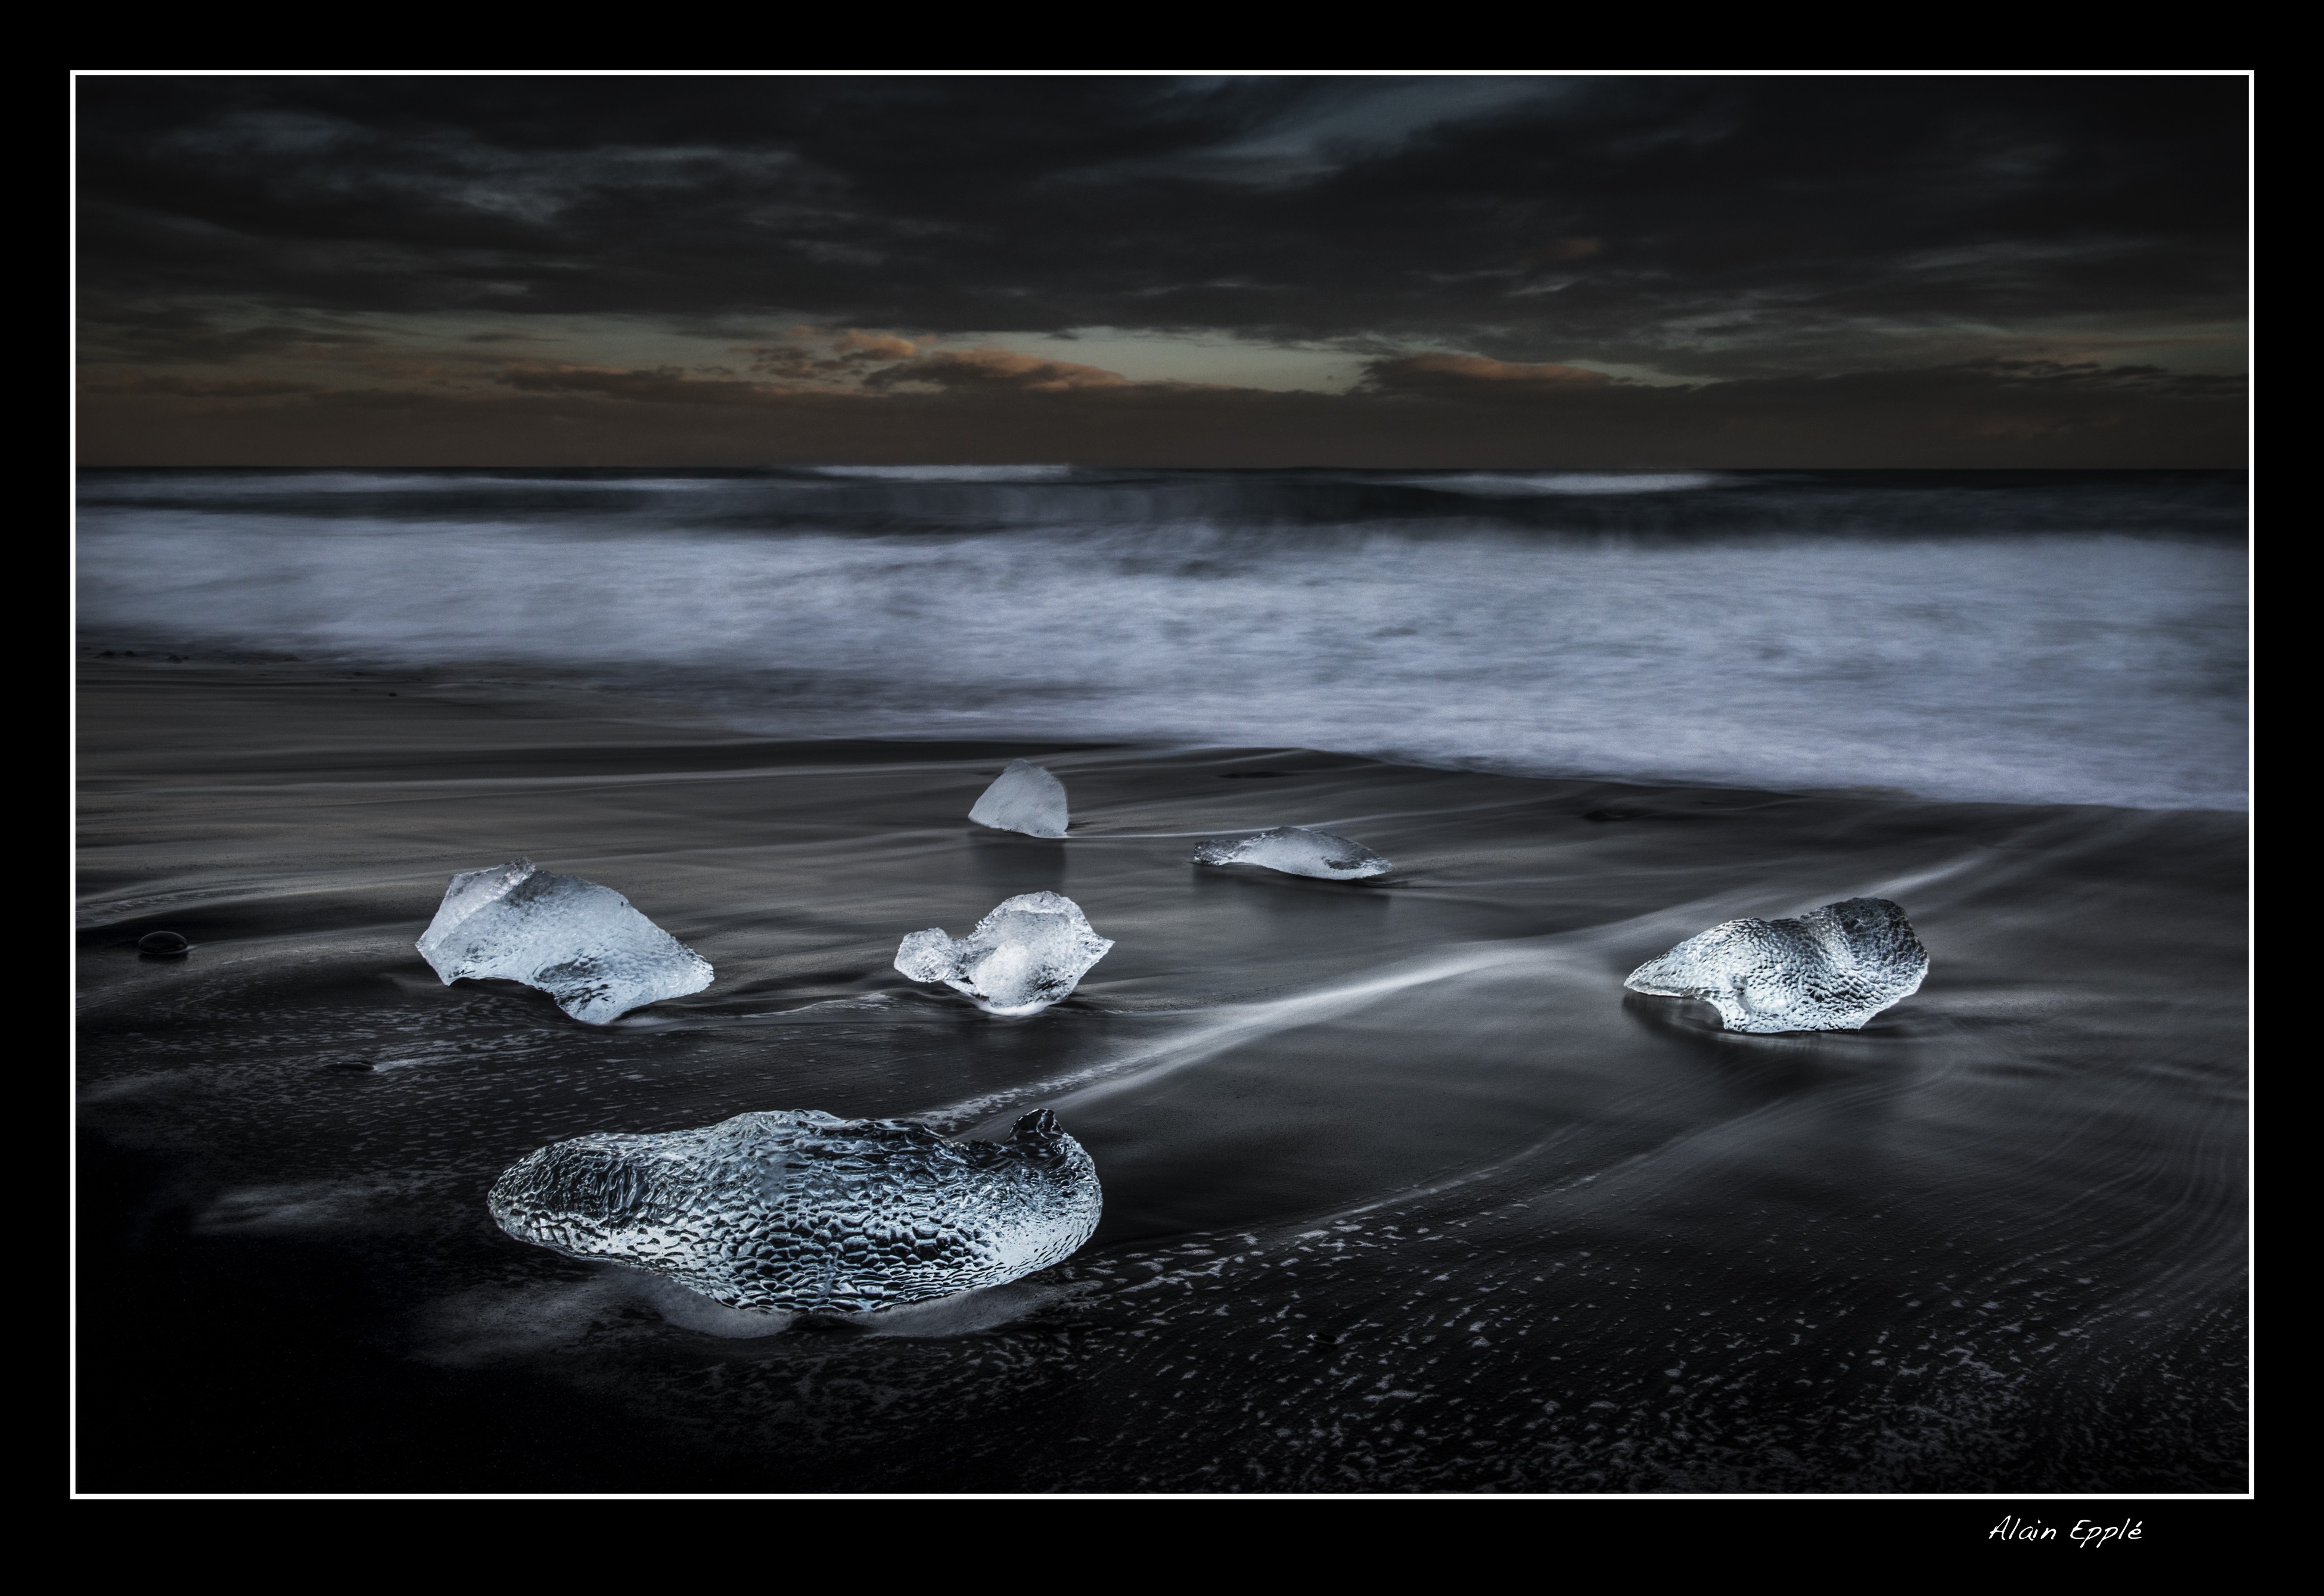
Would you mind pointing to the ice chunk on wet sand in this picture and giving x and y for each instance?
(1832, 968)
(1024, 798)
(805, 1212)
(1023, 956)
(582, 944)
(1296, 850)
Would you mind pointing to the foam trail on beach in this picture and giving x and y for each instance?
(1218, 1031)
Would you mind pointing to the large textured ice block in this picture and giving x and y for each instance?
(1024, 798)
(805, 1212)
(1296, 850)
(582, 944)
(1024, 955)
(1832, 968)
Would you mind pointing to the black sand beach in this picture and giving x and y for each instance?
(1403, 1192)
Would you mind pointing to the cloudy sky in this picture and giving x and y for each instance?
(1408, 271)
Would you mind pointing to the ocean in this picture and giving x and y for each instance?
(2001, 637)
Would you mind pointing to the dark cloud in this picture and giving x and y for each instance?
(1476, 377)
(973, 369)
(139, 383)
(1475, 380)
(665, 386)
(182, 334)
(1103, 202)
(1741, 230)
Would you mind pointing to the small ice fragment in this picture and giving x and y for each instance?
(1296, 850)
(1023, 798)
(805, 1212)
(1832, 968)
(582, 944)
(1023, 956)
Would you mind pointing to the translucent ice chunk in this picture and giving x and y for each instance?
(805, 1212)
(1295, 850)
(1832, 968)
(1024, 798)
(1024, 955)
(582, 944)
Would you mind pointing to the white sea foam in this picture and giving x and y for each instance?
(2068, 667)
(1521, 484)
(948, 473)
(172, 488)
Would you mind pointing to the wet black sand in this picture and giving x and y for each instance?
(1403, 1192)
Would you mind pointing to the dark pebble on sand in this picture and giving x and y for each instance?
(162, 944)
